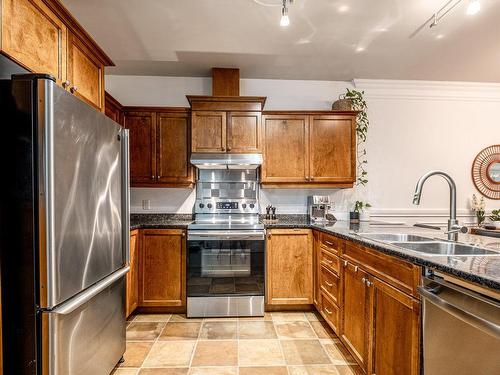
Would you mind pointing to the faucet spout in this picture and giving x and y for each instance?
(452, 222)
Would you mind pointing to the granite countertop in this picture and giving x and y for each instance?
(483, 270)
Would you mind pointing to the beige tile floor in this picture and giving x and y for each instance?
(281, 343)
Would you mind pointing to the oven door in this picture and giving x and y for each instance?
(225, 263)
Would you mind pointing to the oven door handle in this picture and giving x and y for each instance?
(213, 235)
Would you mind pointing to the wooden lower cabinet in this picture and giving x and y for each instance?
(132, 297)
(355, 312)
(289, 270)
(162, 268)
(395, 343)
(316, 270)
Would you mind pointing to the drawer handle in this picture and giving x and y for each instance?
(329, 261)
(329, 243)
(345, 263)
(355, 268)
(329, 284)
(328, 311)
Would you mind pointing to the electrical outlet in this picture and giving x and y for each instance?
(146, 204)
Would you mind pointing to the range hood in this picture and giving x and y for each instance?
(226, 161)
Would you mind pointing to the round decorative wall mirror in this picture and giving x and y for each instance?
(486, 172)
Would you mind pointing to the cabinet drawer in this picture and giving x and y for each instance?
(396, 272)
(330, 261)
(330, 243)
(330, 283)
(330, 312)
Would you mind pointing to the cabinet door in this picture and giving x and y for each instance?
(162, 268)
(208, 131)
(85, 73)
(34, 36)
(333, 148)
(244, 132)
(289, 269)
(286, 149)
(113, 109)
(142, 143)
(396, 336)
(132, 276)
(172, 130)
(355, 312)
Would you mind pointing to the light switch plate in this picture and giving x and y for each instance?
(146, 204)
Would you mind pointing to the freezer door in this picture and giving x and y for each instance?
(86, 335)
(80, 194)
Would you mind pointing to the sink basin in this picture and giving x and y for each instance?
(394, 237)
(442, 248)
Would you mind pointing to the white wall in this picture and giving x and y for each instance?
(415, 126)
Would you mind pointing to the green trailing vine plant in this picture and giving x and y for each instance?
(358, 103)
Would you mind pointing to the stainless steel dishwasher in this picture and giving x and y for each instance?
(461, 330)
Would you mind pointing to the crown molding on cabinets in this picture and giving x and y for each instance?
(429, 90)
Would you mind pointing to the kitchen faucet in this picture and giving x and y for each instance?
(453, 226)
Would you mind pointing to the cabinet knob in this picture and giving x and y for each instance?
(228, 149)
(312, 178)
(368, 283)
(269, 235)
(183, 234)
(223, 149)
(345, 263)
(66, 84)
(73, 89)
(364, 280)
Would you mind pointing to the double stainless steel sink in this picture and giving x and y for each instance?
(428, 246)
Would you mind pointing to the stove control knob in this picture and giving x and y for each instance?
(244, 205)
(252, 205)
(201, 205)
(209, 205)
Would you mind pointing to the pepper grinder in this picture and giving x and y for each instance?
(273, 213)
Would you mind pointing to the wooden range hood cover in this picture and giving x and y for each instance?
(226, 94)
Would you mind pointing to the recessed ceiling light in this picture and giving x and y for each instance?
(343, 8)
(474, 7)
(439, 36)
(360, 49)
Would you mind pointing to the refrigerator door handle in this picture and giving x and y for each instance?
(88, 294)
(125, 195)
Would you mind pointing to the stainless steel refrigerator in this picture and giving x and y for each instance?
(64, 222)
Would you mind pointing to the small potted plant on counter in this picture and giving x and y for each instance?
(478, 206)
(495, 218)
(359, 206)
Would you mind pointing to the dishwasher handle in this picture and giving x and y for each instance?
(466, 316)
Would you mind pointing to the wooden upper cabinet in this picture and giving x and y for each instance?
(355, 326)
(244, 132)
(172, 131)
(162, 270)
(85, 77)
(34, 36)
(142, 145)
(395, 317)
(333, 148)
(289, 267)
(286, 149)
(113, 109)
(208, 131)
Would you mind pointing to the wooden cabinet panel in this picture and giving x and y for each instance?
(331, 243)
(85, 73)
(162, 276)
(316, 270)
(173, 165)
(132, 276)
(330, 312)
(244, 132)
(289, 272)
(355, 312)
(329, 260)
(142, 144)
(330, 284)
(113, 109)
(208, 131)
(396, 335)
(34, 36)
(402, 275)
(333, 148)
(286, 149)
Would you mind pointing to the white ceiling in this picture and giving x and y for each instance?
(323, 42)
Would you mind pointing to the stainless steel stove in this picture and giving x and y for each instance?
(226, 245)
